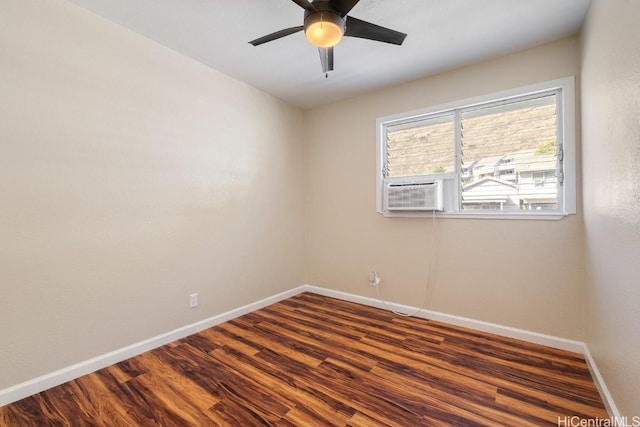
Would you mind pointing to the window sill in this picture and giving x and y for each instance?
(550, 216)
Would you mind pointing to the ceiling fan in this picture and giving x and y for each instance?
(326, 22)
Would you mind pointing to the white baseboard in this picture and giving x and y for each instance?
(607, 399)
(506, 331)
(52, 379)
(44, 382)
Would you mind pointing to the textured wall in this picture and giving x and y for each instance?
(130, 177)
(611, 174)
(521, 273)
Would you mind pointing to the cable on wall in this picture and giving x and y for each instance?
(428, 282)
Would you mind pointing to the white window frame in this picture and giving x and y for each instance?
(566, 120)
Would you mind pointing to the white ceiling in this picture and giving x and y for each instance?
(442, 34)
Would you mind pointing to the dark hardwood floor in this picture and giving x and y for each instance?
(316, 361)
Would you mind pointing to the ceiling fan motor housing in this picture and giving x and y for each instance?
(326, 13)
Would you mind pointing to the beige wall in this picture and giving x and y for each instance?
(520, 273)
(611, 159)
(130, 177)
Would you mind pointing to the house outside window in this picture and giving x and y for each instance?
(503, 155)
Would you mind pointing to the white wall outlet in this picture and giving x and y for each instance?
(374, 279)
(193, 300)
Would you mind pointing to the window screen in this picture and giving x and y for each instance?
(509, 156)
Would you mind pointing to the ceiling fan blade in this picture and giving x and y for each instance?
(367, 30)
(276, 35)
(306, 5)
(326, 58)
(344, 6)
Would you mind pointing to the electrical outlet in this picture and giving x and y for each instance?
(374, 279)
(193, 300)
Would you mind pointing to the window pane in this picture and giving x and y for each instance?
(421, 147)
(509, 156)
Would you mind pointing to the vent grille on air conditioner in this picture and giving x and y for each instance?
(425, 196)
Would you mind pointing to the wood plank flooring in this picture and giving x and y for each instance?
(317, 361)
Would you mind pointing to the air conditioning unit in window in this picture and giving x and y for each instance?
(415, 196)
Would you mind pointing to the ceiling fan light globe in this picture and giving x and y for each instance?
(324, 29)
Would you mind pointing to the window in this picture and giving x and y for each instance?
(504, 155)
